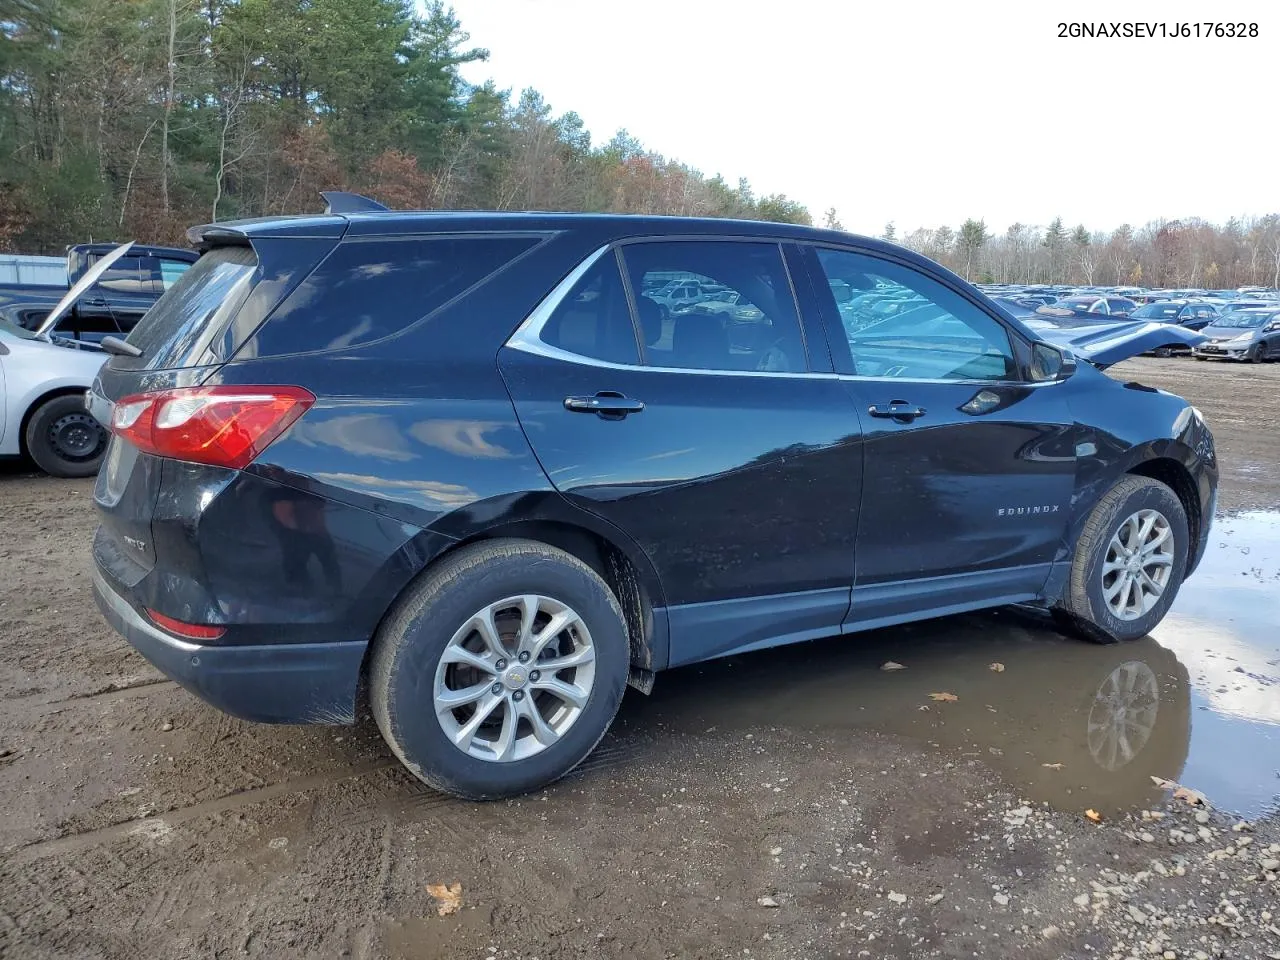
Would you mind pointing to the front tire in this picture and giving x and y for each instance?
(500, 669)
(64, 439)
(1129, 561)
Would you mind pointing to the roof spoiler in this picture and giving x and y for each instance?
(207, 235)
(339, 201)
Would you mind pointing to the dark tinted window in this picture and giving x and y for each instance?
(199, 303)
(594, 320)
(366, 290)
(124, 276)
(735, 312)
(901, 323)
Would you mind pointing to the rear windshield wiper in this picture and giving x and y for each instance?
(120, 348)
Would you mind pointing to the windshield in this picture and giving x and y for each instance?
(16, 331)
(1156, 311)
(1242, 321)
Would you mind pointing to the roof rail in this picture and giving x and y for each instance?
(339, 201)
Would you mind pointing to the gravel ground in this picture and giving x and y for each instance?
(140, 823)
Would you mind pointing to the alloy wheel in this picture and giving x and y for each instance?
(1138, 564)
(514, 678)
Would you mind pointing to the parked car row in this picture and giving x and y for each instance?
(1223, 315)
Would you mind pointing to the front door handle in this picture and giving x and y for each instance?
(897, 410)
(94, 301)
(606, 404)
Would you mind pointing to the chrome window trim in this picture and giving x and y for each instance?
(528, 336)
(528, 339)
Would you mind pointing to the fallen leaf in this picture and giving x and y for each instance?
(1093, 815)
(944, 697)
(997, 668)
(889, 666)
(1163, 784)
(450, 897)
(1193, 797)
(1052, 766)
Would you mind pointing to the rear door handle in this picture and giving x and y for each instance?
(606, 404)
(898, 410)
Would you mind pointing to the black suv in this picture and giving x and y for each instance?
(458, 461)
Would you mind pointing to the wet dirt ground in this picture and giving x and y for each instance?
(799, 802)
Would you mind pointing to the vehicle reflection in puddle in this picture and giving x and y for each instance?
(1069, 722)
(1225, 627)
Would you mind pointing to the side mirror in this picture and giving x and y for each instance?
(1051, 363)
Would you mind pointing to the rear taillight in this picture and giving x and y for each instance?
(227, 426)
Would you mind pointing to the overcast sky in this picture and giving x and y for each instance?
(920, 113)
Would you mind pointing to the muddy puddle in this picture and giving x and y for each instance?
(1064, 721)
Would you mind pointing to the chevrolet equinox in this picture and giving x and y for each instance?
(457, 463)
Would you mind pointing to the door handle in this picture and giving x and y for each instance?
(897, 410)
(606, 404)
(94, 301)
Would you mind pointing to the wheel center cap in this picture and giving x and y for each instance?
(515, 678)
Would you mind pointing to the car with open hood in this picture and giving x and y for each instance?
(43, 380)
(458, 461)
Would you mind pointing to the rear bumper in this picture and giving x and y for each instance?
(268, 683)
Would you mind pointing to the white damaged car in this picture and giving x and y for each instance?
(43, 379)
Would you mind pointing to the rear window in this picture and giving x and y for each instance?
(369, 289)
(199, 303)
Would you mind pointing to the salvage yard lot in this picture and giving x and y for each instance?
(783, 803)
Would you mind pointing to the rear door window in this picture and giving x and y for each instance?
(369, 289)
(756, 330)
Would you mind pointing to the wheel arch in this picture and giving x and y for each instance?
(636, 589)
(1175, 475)
(627, 572)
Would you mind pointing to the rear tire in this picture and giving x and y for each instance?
(64, 439)
(1137, 534)
(433, 649)
(1164, 352)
